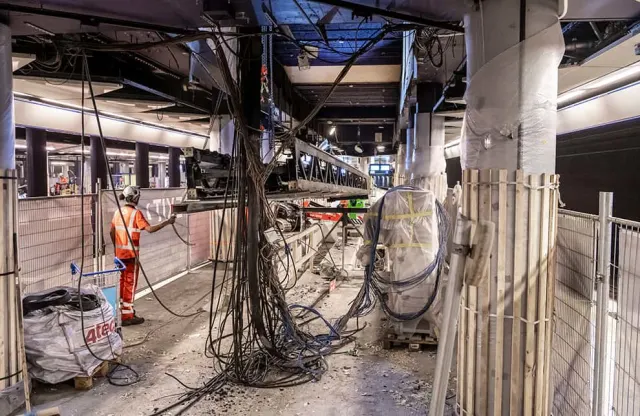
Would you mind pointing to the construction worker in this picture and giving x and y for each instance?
(134, 222)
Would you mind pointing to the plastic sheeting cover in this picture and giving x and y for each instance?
(409, 231)
(510, 119)
(7, 127)
(55, 347)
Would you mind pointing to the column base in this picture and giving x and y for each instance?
(505, 329)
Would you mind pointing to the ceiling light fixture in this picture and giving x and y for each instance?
(358, 148)
(380, 148)
(332, 131)
(568, 96)
(614, 77)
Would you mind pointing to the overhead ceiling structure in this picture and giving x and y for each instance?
(177, 86)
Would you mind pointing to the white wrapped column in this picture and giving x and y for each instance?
(429, 164)
(508, 157)
(400, 164)
(11, 392)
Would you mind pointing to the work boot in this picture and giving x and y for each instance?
(136, 320)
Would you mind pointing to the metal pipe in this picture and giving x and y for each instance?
(451, 310)
(602, 311)
(597, 31)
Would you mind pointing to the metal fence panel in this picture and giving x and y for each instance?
(623, 378)
(199, 238)
(574, 317)
(162, 254)
(51, 237)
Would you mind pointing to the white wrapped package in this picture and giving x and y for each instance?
(56, 350)
(409, 231)
(510, 118)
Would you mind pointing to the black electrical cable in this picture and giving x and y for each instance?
(115, 195)
(116, 364)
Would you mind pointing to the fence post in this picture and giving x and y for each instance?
(602, 301)
(98, 227)
(188, 244)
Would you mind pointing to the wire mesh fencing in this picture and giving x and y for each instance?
(622, 375)
(572, 357)
(53, 232)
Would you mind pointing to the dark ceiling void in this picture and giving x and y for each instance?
(361, 95)
(339, 43)
(584, 39)
(351, 114)
(126, 68)
(358, 133)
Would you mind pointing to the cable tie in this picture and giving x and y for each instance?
(493, 315)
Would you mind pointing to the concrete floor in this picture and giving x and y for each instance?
(363, 379)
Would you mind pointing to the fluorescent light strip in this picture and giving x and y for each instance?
(602, 82)
(24, 146)
(452, 143)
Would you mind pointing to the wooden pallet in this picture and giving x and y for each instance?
(415, 342)
(86, 382)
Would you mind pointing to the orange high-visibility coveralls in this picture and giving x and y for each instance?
(135, 223)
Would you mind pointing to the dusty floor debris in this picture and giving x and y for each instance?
(363, 379)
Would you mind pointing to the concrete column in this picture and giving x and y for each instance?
(7, 125)
(214, 136)
(37, 167)
(142, 165)
(99, 168)
(429, 163)
(513, 52)
(162, 174)
(174, 167)
(226, 136)
(512, 90)
(11, 391)
(266, 150)
(400, 161)
(411, 139)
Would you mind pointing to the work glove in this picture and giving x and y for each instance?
(172, 219)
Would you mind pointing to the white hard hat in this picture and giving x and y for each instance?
(131, 194)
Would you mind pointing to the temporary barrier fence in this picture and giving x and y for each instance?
(572, 358)
(53, 232)
(597, 315)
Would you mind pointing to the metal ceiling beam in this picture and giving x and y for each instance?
(94, 20)
(361, 10)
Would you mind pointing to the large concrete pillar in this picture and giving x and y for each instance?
(174, 167)
(37, 169)
(511, 96)
(429, 165)
(162, 175)
(227, 133)
(214, 135)
(508, 156)
(142, 165)
(11, 392)
(99, 168)
(401, 158)
(411, 141)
